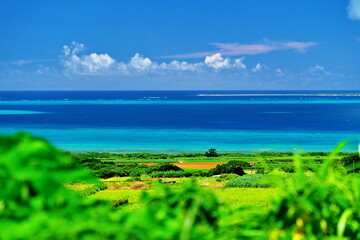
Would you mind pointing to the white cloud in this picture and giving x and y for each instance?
(318, 69)
(103, 64)
(354, 9)
(182, 66)
(279, 72)
(257, 68)
(238, 63)
(73, 49)
(95, 62)
(90, 64)
(141, 63)
(216, 61)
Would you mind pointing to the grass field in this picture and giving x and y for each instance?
(257, 197)
(120, 188)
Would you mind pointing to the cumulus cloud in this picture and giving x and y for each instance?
(91, 64)
(102, 64)
(141, 63)
(236, 49)
(95, 62)
(257, 68)
(354, 9)
(216, 61)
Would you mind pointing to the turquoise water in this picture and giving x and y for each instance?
(185, 121)
(174, 141)
(18, 112)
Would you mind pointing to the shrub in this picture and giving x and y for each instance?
(106, 172)
(199, 173)
(165, 167)
(226, 168)
(238, 163)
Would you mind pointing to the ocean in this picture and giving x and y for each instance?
(185, 121)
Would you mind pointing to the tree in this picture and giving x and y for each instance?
(211, 153)
(226, 168)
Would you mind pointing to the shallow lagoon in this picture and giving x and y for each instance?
(185, 121)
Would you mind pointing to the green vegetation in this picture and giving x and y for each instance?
(94, 189)
(230, 167)
(252, 181)
(260, 198)
(200, 157)
(212, 152)
(35, 203)
(352, 162)
(108, 169)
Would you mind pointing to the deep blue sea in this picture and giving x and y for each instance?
(185, 121)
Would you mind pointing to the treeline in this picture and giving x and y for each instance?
(145, 155)
(108, 169)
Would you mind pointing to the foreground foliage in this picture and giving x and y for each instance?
(34, 204)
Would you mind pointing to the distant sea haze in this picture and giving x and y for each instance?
(185, 121)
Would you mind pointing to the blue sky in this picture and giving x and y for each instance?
(180, 45)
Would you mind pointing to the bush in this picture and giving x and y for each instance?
(226, 168)
(238, 163)
(199, 173)
(165, 167)
(106, 172)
